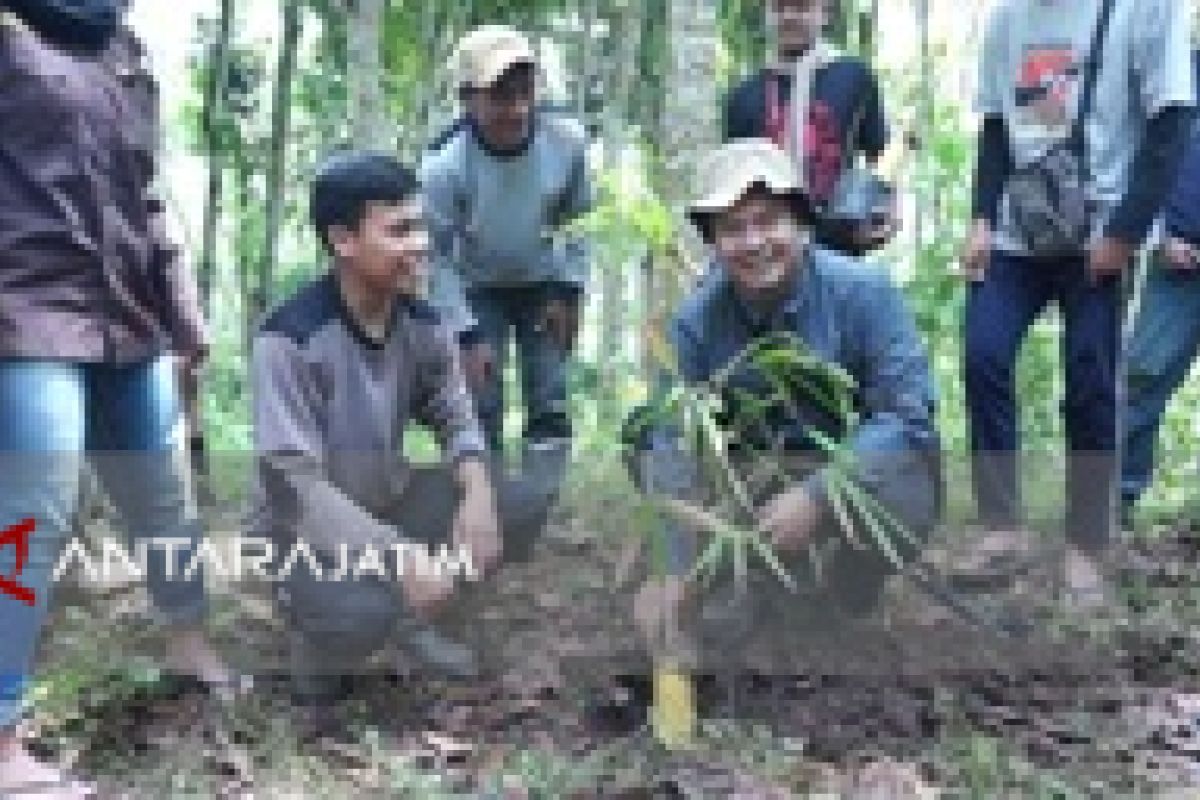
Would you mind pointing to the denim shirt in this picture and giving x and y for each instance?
(849, 314)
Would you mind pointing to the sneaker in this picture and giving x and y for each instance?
(439, 654)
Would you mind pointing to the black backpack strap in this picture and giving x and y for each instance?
(1091, 71)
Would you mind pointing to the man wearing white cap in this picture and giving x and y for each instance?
(499, 191)
(769, 280)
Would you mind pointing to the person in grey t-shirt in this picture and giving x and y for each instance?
(1031, 72)
(500, 190)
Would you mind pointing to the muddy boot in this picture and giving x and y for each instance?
(438, 655)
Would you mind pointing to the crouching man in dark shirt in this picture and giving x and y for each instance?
(339, 372)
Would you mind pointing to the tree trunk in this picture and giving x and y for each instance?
(615, 294)
(243, 176)
(689, 124)
(587, 47)
(370, 128)
(214, 107)
(281, 111)
(924, 123)
(689, 130)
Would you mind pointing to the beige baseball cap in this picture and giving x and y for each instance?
(485, 53)
(731, 170)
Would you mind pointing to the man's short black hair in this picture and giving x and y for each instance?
(347, 183)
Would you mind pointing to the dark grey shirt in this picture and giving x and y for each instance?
(330, 410)
(499, 220)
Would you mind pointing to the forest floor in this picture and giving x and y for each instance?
(912, 703)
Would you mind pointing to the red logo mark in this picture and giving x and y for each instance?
(18, 537)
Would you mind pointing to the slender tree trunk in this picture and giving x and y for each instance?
(646, 115)
(868, 19)
(924, 121)
(615, 290)
(587, 48)
(689, 124)
(246, 263)
(369, 124)
(214, 107)
(429, 99)
(281, 112)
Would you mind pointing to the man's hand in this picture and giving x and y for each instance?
(1180, 255)
(977, 251)
(657, 607)
(478, 363)
(424, 594)
(476, 524)
(560, 317)
(1109, 256)
(790, 518)
(188, 368)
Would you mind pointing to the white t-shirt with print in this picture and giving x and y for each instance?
(1031, 73)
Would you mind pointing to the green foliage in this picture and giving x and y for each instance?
(628, 213)
(541, 774)
(717, 420)
(743, 33)
(982, 767)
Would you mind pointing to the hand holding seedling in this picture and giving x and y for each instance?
(790, 518)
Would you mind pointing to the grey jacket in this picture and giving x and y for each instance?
(496, 220)
(330, 410)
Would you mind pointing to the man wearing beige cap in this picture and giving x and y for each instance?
(767, 280)
(500, 188)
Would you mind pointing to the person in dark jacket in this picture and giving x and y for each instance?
(1166, 331)
(842, 117)
(93, 309)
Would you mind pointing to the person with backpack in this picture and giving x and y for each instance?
(1086, 107)
(500, 191)
(826, 109)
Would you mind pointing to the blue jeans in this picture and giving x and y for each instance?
(124, 418)
(999, 312)
(505, 312)
(1162, 347)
